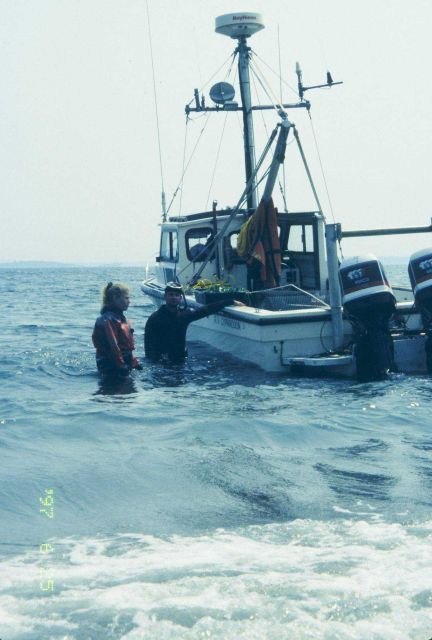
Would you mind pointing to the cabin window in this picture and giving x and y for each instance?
(308, 238)
(232, 239)
(231, 256)
(301, 238)
(197, 241)
(169, 246)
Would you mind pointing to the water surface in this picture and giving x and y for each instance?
(210, 500)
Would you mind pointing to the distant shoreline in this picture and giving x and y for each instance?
(35, 264)
(41, 264)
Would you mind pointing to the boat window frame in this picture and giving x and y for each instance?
(209, 231)
(172, 245)
(292, 254)
(303, 225)
(230, 253)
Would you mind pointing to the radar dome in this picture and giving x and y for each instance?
(236, 25)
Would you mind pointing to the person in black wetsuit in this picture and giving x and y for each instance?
(165, 331)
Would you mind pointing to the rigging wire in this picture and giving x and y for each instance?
(301, 150)
(222, 134)
(267, 90)
(232, 55)
(239, 124)
(321, 166)
(263, 177)
(164, 212)
(242, 199)
(296, 135)
(325, 181)
(280, 64)
(188, 162)
(264, 123)
(282, 189)
(306, 166)
(188, 119)
(183, 162)
(261, 113)
(279, 75)
(216, 161)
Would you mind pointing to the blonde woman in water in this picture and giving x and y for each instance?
(113, 334)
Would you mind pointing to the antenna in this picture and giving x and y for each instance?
(302, 89)
(163, 200)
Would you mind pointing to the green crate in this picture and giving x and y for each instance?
(207, 297)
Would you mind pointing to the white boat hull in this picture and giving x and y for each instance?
(267, 346)
(295, 342)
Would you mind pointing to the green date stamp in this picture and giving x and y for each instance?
(48, 503)
(46, 579)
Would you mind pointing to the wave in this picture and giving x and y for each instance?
(304, 579)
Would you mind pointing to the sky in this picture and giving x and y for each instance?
(81, 179)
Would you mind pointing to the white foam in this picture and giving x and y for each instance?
(305, 579)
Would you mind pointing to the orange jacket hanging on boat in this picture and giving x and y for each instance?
(259, 239)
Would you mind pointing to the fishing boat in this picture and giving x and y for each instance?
(306, 311)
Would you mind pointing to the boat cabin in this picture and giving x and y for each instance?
(186, 240)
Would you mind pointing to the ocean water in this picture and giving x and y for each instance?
(210, 500)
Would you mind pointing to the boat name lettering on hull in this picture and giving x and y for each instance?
(228, 322)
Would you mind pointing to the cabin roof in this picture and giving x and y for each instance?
(295, 217)
(209, 215)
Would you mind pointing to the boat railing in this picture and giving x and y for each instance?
(285, 298)
(403, 293)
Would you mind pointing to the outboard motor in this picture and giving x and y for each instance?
(420, 274)
(369, 301)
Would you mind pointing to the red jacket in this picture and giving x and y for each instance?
(113, 339)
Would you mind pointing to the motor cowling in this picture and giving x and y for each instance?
(420, 275)
(366, 293)
(369, 301)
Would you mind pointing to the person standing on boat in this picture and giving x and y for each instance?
(165, 331)
(113, 334)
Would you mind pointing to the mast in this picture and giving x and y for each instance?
(248, 133)
(241, 26)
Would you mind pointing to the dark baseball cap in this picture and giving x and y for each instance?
(174, 286)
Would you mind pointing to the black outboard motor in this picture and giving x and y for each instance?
(420, 274)
(369, 301)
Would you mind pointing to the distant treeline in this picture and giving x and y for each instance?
(65, 265)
